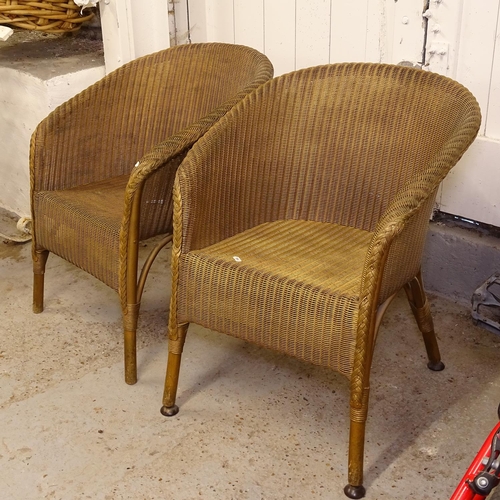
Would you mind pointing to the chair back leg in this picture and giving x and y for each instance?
(39, 261)
(177, 337)
(422, 312)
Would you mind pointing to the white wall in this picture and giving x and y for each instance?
(22, 101)
(469, 32)
(133, 28)
(300, 33)
(463, 42)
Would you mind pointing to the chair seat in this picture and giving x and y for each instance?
(72, 223)
(263, 285)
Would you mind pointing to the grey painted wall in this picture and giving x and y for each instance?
(457, 260)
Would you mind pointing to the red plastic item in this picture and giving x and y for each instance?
(464, 491)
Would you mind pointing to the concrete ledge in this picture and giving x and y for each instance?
(457, 260)
(38, 73)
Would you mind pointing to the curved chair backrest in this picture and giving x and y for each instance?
(349, 134)
(112, 124)
(302, 212)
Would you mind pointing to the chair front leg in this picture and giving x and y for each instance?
(130, 319)
(355, 488)
(422, 312)
(177, 337)
(39, 261)
(131, 301)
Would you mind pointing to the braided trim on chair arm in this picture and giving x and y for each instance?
(390, 226)
(160, 156)
(370, 287)
(175, 257)
(406, 203)
(168, 150)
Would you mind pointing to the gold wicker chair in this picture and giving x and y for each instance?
(303, 211)
(103, 164)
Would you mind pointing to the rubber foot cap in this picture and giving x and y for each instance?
(435, 367)
(169, 411)
(354, 491)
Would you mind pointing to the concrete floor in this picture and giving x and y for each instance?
(252, 425)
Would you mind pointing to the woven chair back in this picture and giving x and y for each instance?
(156, 96)
(348, 136)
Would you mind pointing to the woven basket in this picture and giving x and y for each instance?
(50, 16)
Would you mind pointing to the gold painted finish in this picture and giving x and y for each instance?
(175, 347)
(39, 262)
(149, 262)
(422, 312)
(301, 213)
(94, 200)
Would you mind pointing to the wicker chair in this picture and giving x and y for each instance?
(103, 164)
(302, 212)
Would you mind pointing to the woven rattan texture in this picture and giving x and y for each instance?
(281, 291)
(79, 218)
(362, 146)
(49, 16)
(137, 122)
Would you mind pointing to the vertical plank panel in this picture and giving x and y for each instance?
(386, 20)
(279, 34)
(150, 22)
(470, 45)
(493, 113)
(348, 30)
(444, 36)
(197, 18)
(374, 33)
(182, 34)
(117, 33)
(408, 32)
(211, 21)
(249, 23)
(312, 33)
(220, 20)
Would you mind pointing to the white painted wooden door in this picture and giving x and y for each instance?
(464, 43)
(461, 39)
(299, 33)
(133, 28)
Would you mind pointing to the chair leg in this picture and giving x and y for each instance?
(134, 289)
(130, 319)
(175, 346)
(39, 261)
(422, 312)
(355, 488)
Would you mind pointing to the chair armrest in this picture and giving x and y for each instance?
(154, 173)
(396, 249)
